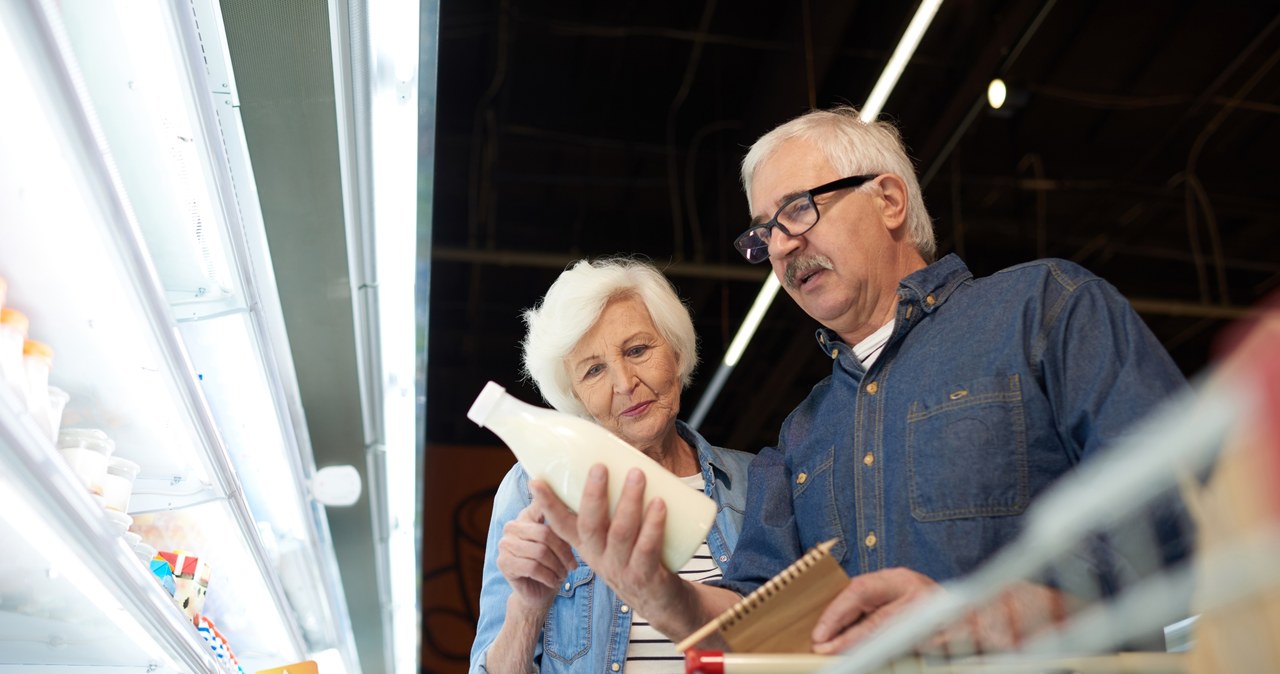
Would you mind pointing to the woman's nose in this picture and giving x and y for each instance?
(624, 379)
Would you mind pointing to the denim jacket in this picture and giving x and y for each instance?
(987, 391)
(588, 626)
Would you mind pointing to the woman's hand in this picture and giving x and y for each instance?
(533, 559)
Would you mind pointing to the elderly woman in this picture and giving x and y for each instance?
(610, 342)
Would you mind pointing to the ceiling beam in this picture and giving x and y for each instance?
(512, 258)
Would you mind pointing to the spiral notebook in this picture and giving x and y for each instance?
(779, 616)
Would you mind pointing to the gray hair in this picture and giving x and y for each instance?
(853, 147)
(573, 304)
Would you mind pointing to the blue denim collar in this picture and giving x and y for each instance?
(938, 281)
(925, 289)
(709, 459)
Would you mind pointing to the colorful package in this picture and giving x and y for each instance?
(217, 643)
(191, 581)
(160, 569)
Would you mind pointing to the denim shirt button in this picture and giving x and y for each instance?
(871, 540)
(615, 667)
(869, 458)
(801, 478)
(724, 558)
(835, 353)
(566, 587)
(929, 300)
(625, 608)
(872, 388)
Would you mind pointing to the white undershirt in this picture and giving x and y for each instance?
(870, 347)
(649, 651)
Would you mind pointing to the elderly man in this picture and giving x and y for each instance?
(953, 401)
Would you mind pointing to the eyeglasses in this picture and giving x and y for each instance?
(798, 215)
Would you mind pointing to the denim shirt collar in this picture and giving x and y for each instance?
(709, 457)
(919, 293)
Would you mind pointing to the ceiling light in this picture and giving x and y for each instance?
(996, 93)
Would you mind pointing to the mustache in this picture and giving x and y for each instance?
(800, 267)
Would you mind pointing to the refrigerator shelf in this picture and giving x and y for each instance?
(71, 591)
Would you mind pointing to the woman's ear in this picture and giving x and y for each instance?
(892, 200)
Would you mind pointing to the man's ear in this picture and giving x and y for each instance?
(892, 200)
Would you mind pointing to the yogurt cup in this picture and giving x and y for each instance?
(144, 552)
(58, 400)
(117, 483)
(87, 451)
(13, 332)
(120, 522)
(37, 361)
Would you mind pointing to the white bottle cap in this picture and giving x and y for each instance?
(485, 403)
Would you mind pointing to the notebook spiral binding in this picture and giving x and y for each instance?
(749, 603)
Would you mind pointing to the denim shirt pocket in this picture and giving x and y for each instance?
(813, 493)
(566, 635)
(967, 451)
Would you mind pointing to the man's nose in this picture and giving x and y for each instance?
(782, 244)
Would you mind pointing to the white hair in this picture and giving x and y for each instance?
(853, 147)
(573, 304)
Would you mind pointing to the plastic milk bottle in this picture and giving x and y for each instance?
(560, 448)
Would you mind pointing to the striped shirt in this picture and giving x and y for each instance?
(648, 651)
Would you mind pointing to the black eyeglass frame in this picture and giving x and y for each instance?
(762, 232)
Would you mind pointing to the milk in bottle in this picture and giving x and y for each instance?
(560, 448)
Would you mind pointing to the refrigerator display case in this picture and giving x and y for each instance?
(131, 240)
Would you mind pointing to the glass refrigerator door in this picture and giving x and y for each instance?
(129, 239)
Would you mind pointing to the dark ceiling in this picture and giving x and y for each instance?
(1144, 147)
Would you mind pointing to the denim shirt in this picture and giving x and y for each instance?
(987, 391)
(588, 628)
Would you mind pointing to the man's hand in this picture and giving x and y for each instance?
(1018, 613)
(866, 604)
(533, 558)
(625, 550)
(873, 599)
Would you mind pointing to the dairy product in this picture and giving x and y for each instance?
(560, 448)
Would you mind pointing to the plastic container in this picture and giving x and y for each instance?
(117, 483)
(144, 552)
(560, 448)
(37, 362)
(13, 332)
(120, 522)
(87, 451)
(58, 400)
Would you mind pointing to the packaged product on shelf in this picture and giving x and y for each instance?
(37, 361)
(191, 581)
(117, 483)
(13, 332)
(163, 573)
(147, 553)
(119, 521)
(222, 652)
(58, 400)
(86, 450)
